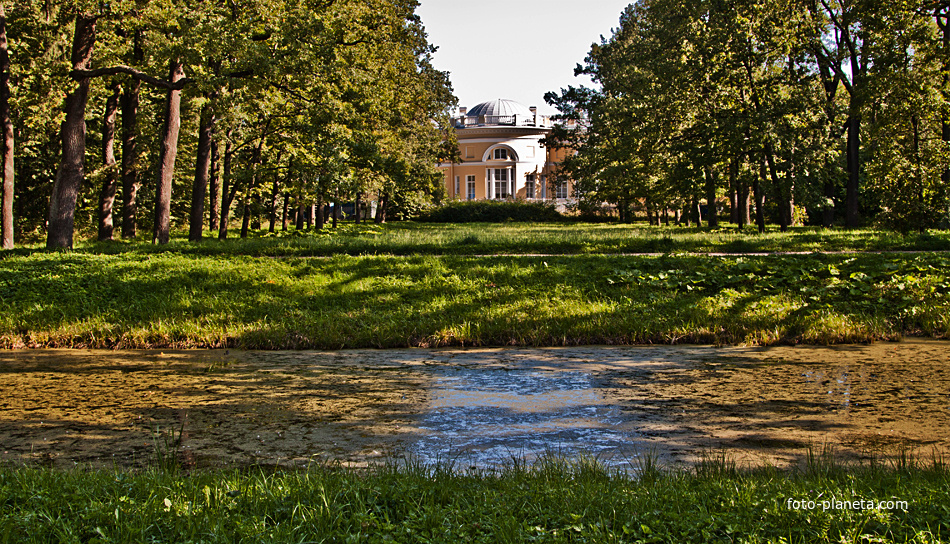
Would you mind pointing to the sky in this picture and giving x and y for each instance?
(515, 49)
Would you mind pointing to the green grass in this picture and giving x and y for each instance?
(527, 238)
(168, 299)
(551, 501)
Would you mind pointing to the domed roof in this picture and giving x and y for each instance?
(500, 107)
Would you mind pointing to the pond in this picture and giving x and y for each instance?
(475, 407)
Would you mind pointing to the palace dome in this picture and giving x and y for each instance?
(500, 107)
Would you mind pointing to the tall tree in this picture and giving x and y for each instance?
(110, 176)
(167, 156)
(6, 198)
(70, 174)
(847, 59)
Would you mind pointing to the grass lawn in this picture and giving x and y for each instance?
(145, 297)
(434, 285)
(526, 238)
(553, 501)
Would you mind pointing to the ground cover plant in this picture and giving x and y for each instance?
(551, 501)
(169, 299)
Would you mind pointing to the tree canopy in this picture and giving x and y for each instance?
(810, 110)
(264, 104)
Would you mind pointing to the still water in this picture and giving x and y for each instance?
(477, 418)
(475, 407)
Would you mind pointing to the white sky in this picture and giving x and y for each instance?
(526, 47)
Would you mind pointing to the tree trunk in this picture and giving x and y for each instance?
(130, 178)
(69, 176)
(357, 206)
(696, 212)
(381, 209)
(227, 195)
(301, 217)
(784, 218)
(6, 206)
(275, 190)
(166, 159)
(712, 213)
(744, 204)
(202, 173)
(245, 216)
(919, 217)
(214, 198)
(759, 198)
(940, 200)
(256, 211)
(110, 181)
(335, 212)
(283, 215)
(733, 194)
(319, 218)
(852, 218)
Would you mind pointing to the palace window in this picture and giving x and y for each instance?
(501, 182)
(560, 189)
(501, 154)
(501, 189)
(470, 187)
(529, 186)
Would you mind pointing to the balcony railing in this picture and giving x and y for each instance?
(504, 120)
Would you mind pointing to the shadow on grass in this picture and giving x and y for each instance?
(179, 301)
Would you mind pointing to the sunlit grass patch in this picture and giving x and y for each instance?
(130, 300)
(832, 327)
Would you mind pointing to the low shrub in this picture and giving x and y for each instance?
(492, 211)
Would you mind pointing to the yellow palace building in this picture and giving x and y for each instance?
(502, 155)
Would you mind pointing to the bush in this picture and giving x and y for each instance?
(492, 211)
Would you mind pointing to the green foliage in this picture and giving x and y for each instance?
(553, 500)
(332, 99)
(488, 211)
(699, 100)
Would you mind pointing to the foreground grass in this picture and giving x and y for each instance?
(553, 501)
(173, 300)
(528, 238)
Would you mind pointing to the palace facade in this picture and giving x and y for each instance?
(502, 155)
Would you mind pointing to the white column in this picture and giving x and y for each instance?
(512, 182)
(488, 189)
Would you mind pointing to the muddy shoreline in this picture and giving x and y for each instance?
(67, 408)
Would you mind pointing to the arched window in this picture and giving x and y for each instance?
(500, 152)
